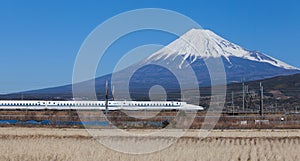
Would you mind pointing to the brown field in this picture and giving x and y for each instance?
(77, 144)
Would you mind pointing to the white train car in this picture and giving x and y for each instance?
(95, 105)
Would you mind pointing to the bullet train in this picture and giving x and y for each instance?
(95, 105)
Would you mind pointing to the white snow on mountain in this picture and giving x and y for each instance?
(204, 44)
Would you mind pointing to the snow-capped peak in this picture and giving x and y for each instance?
(203, 44)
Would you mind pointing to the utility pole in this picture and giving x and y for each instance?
(106, 98)
(261, 99)
(243, 96)
(232, 101)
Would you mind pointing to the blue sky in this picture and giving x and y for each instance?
(40, 39)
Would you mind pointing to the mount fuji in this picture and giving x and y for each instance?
(201, 49)
(197, 50)
(204, 52)
(203, 44)
(197, 46)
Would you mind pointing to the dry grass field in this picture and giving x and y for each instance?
(76, 144)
